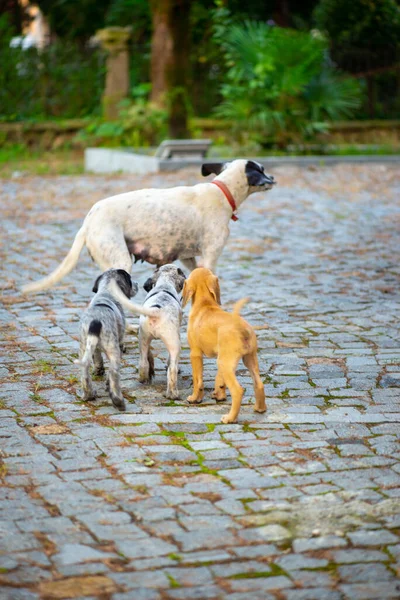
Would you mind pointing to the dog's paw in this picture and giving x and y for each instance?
(171, 395)
(227, 419)
(214, 395)
(118, 402)
(98, 371)
(260, 409)
(194, 399)
(89, 396)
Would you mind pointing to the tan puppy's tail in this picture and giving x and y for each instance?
(238, 306)
(131, 306)
(63, 269)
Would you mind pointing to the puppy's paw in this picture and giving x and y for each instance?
(98, 371)
(194, 399)
(260, 409)
(172, 394)
(215, 396)
(118, 402)
(89, 396)
(227, 419)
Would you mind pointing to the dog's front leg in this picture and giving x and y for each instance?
(196, 358)
(213, 248)
(189, 263)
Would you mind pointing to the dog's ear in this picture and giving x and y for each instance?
(181, 280)
(187, 294)
(213, 288)
(96, 284)
(148, 284)
(209, 168)
(125, 282)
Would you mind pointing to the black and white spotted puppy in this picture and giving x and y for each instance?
(102, 329)
(163, 289)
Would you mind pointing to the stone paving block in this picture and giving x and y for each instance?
(371, 591)
(140, 594)
(149, 579)
(378, 537)
(358, 556)
(260, 583)
(145, 547)
(312, 594)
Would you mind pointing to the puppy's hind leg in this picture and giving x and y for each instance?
(114, 388)
(219, 393)
(227, 367)
(174, 348)
(196, 358)
(98, 364)
(86, 381)
(146, 360)
(251, 362)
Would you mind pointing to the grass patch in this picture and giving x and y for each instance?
(19, 158)
(173, 583)
(43, 367)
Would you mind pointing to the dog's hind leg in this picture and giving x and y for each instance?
(227, 367)
(196, 358)
(219, 393)
(251, 362)
(174, 347)
(86, 381)
(114, 388)
(108, 249)
(98, 364)
(146, 360)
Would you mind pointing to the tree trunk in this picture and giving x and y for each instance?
(170, 61)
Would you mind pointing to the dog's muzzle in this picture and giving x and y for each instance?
(268, 182)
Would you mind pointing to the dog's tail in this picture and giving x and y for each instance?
(91, 343)
(63, 269)
(131, 306)
(238, 306)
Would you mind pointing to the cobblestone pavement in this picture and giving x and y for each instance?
(164, 502)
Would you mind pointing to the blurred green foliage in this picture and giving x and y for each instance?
(280, 86)
(60, 81)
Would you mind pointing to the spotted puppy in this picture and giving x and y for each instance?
(163, 290)
(102, 329)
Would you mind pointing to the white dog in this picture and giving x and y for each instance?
(163, 290)
(162, 225)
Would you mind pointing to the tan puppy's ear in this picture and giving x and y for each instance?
(187, 293)
(213, 288)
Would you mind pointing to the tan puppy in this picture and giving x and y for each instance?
(214, 332)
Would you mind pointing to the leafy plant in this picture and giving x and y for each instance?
(281, 87)
(139, 124)
(60, 81)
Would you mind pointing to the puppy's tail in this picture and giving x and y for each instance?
(63, 269)
(91, 343)
(238, 306)
(131, 306)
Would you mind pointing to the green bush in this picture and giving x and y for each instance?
(280, 86)
(139, 124)
(60, 81)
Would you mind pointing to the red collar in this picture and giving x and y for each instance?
(228, 196)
